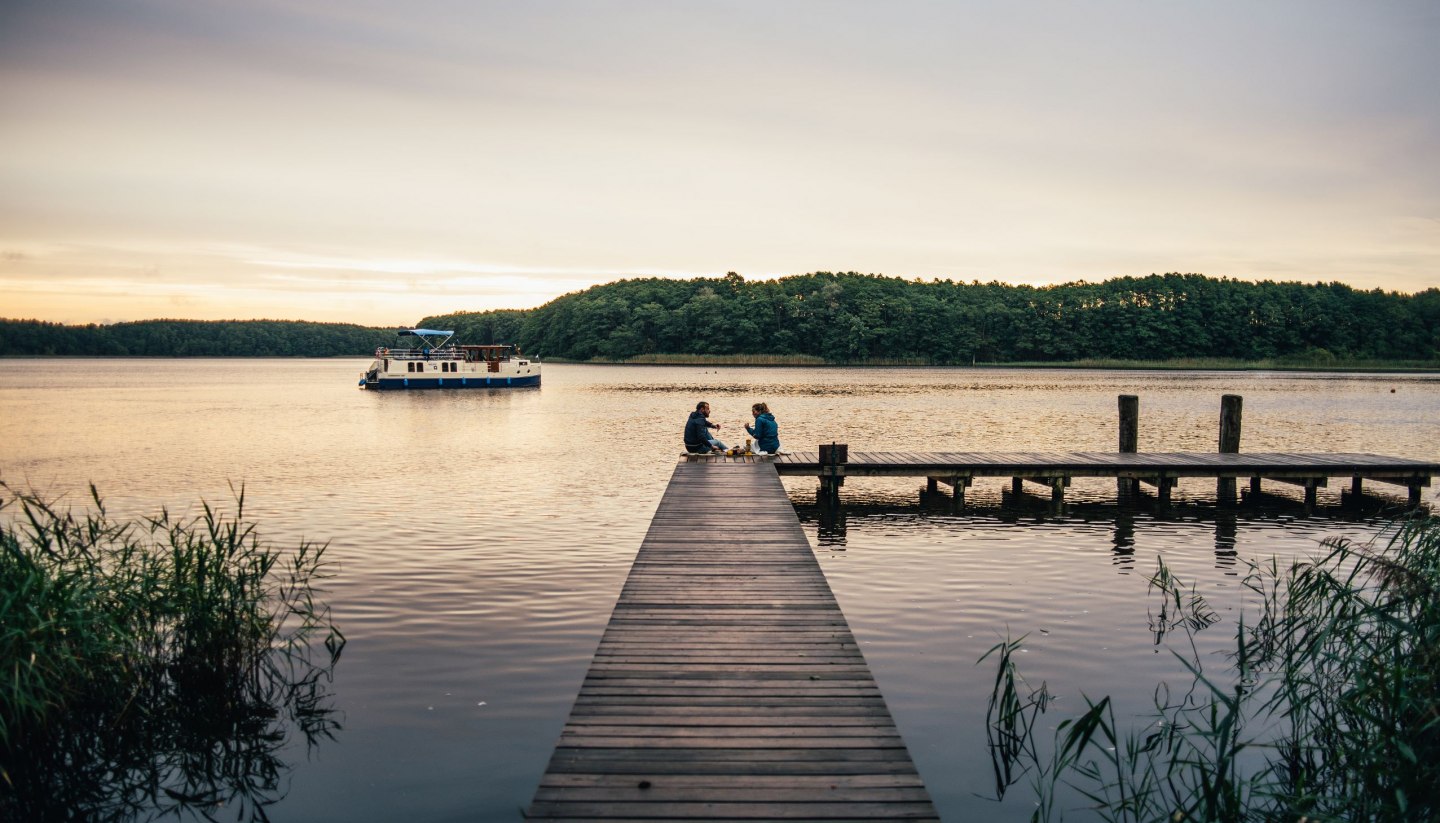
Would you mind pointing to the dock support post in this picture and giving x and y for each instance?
(1254, 487)
(1415, 495)
(833, 457)
(1357, 492)
(932, 484)
(1017, 485)
(1230, 414)
(1129, 440)
(957, 492)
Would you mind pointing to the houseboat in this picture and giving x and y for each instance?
(433, 362)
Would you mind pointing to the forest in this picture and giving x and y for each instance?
(190, 338)
(860, 318)
(854, 318)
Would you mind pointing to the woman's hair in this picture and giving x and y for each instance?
(760, 407)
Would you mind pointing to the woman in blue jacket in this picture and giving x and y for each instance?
(765, 431)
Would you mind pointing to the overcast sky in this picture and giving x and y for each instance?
(377, 161)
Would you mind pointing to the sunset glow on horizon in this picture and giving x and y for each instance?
(373, 163)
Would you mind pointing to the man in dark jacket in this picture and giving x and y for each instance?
(697, 431)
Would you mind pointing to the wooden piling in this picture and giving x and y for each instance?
(1129, 423)
(1129, 440)
(957, 484)
(1230, 414)
(833, 457)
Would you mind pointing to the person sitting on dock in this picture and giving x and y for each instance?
(697, 431)
(765, 431)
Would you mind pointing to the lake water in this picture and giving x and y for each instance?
(482, 536)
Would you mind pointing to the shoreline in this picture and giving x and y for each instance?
(797, 361)
(1180, 364)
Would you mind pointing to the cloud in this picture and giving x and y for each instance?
(261, 153)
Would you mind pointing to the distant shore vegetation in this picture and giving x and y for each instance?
(190, 338)
(1171, 321)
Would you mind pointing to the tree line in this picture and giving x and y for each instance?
(191, 338)
(852, 318)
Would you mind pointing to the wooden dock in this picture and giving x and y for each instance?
(1159, 469)
(727, 684)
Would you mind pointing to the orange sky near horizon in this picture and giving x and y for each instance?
(376, 164)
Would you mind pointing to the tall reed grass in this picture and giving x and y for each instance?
(154, 664)
(1329, 709)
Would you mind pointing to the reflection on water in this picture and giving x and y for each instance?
(188, 748)
(482, 536)
(929, 590)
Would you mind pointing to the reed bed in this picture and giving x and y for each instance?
(154, 666)
(1329, 709)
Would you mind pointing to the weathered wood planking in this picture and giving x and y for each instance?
(1161, 469)
(1114, 464)
(727, 684)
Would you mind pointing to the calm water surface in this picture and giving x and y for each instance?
(482, 536)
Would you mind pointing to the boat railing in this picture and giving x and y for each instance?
(419, 354)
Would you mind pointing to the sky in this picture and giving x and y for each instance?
(378, 162)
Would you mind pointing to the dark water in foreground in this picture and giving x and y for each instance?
(482, 536)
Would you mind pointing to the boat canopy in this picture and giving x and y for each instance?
(431, 338)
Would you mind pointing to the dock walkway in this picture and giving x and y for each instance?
(727, 684)
(1160, 469)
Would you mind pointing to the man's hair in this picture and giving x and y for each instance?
(760, 407)
(702, 404)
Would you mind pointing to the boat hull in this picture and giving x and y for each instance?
(453, 381)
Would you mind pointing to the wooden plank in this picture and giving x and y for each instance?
(669, 793)
(688, 720)
(728, 681)
(896, 810)
(752, 761)
(762, 782)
